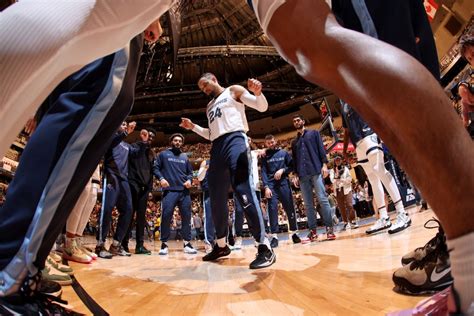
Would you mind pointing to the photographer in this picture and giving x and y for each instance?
(342, 182)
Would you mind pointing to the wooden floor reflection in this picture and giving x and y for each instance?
(349, 276)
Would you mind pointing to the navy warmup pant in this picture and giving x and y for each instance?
(238, 218)
(209, 229)
(281, 192)
(116, 193)
(230, 166)
(86, 109)
(170, 200)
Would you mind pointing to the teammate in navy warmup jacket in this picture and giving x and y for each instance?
(117, 191)
(175, 173)
(230, 161)
(276, 165)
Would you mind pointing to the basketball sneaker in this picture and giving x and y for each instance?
(274, 242)
(428, 275)
(216, 253)
(402, 222)
(164, 249)
(119, 251)
(102, 252)
(188, 248)
(295, 238)
(265, 258)
(330, 233)
(50, 288)
(380, 224)
(50, 273)
(312, 236)
(72, 252)
(421, 252)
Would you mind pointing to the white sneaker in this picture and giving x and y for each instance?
(238, 243)
(402, 222)
(188, 248)
(380, 224)
(85, 250)
(164, 249)
(72, 253)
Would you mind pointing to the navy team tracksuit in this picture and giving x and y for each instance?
(209, 229)
(116, 186)
(173, 166)
(273, 161)
(85, 110)
(230, 165)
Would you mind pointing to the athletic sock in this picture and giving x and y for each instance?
(383, 212)
(461, 254)
(399, 207)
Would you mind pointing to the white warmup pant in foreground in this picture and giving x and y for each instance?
(42, 42)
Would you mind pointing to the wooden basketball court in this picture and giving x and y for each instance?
(349, 276)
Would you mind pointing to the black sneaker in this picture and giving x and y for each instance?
(101, 252)
(119, 251)
(421, 252)
(426, 276)
(141, 250)
(37, 304)
(50, 288)
(265, 258)
(125, 247)
(296, 239)
(216, 253)
(274, 242)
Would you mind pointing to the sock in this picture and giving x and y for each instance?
(115, 243)
(462, 269)
(275, 236)
(221, 242)
(383, 212)
(399, 207)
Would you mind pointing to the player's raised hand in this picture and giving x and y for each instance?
(254, 86)
(186, 123)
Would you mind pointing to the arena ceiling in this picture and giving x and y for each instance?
(222, 37)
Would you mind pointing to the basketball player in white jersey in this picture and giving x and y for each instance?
(230, 162)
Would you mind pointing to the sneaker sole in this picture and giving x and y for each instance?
(399, 229)
(71, 258)
(403, 286)
(223, 255)
(377, 230)
(266, 264)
